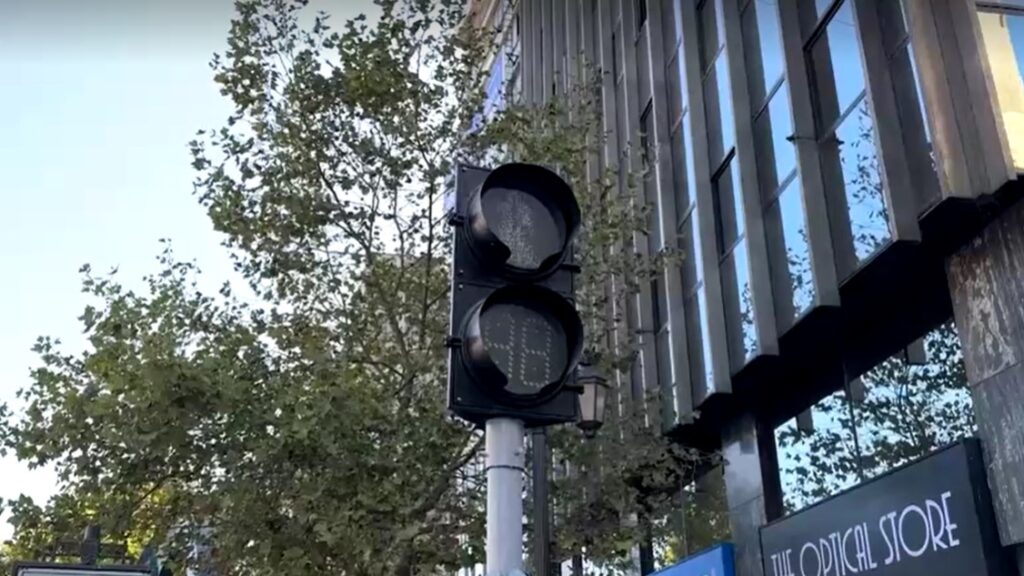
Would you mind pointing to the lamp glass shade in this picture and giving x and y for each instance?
(592, 400)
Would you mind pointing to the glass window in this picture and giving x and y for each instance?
(790, 254)
(663, 354)
(914, 125)
(621, 124)
(646, 135)
(739, 307)
(657, 294)
(676, 98)
(711, 32)
(908, 56)
(1015, 29)
(838, 68)
(1003, 34)
(718, 106)
(701, 373)
(854, 145)
(892, 19)
(763, 47)
(667, 383)
(679, 179)
(822, 6)
(494, 100)
(676, 69)
(494, 94)
(685, 176)
(615, 56)
(691, 262)
(892, 414)
(717, 87)
(776, 154)
(728, 207)
(847, 140)
(909, 101)
(671, 29)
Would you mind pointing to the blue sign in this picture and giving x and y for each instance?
(716, 561)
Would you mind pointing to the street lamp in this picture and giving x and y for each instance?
(592, 404)
(592, 400)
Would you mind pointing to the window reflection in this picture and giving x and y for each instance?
(734, 266)
(728, 207)
(685, 178)
(494, 94)
(710, 39)
(910, 102)
(1003, 34)
(776, 154)
(914, 124)
(690, 242)
(822, 6)
(711, 32)
(739, 309)
(726, 192)
(697, 337)
(838, 67)
(763, 43)
(850, 162)
(1015, 28)
(676, 101)
(662, 352)
(718, 106)
(892, 414)
(785, 217)
(664, 360)
(854, 144)
(790, 253)
(920, 97)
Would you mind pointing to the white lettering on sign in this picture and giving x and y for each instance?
(911, 532)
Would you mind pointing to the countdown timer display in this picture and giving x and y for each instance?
(527, 345)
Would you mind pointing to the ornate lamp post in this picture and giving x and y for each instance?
(592, 406)
(594, 397)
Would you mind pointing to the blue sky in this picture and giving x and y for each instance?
(99, 99)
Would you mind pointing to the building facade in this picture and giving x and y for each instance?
(840, 177)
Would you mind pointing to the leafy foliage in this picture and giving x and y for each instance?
(908, 412)
(303, 431)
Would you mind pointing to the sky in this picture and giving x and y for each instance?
(98, 100)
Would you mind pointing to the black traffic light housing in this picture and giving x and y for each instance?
(515, 334)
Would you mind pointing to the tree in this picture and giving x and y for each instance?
(908, 412)
(304, 432)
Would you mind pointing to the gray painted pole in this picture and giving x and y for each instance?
(541, 513)
(504, 467)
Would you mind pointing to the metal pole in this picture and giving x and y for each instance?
(504, 466)
(90, 545)
(542, 528)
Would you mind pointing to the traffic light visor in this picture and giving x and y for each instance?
(523, 219)
(522, 342)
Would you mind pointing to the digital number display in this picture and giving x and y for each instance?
(524, 224)
(526, 345)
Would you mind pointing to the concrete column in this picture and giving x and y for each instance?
(986, 279)
(752, 488)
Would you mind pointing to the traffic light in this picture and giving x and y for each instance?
(515, 334)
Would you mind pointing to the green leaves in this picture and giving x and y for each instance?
(303, 431)
(908, 412)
